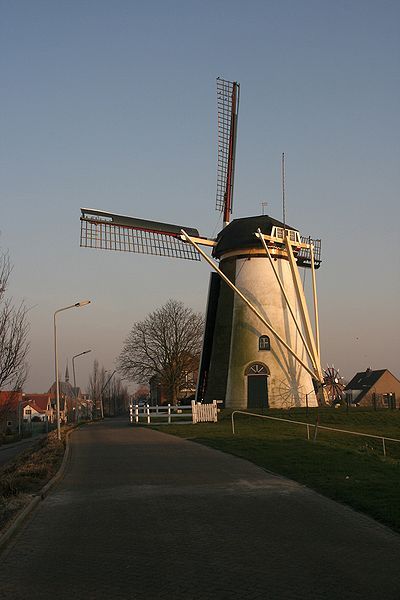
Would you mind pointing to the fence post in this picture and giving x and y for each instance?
(130, 414)
(169, 413)
(315, 431)
(384, 447)
(194, 412)
(148, 413)
(137, 413)
(215, 411)
(308, 432)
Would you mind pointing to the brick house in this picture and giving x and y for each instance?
(376, 389)
(10, 403)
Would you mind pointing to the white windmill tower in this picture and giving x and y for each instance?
(259, 347)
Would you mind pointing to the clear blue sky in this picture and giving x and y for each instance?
(112, 105)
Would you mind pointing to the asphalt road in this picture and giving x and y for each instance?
(143, 515)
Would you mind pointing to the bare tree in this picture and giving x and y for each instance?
(166, 344)
(14, 329)
(118, 398)
(97, 379)
(107, 391)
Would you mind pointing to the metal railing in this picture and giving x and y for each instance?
(316, 427)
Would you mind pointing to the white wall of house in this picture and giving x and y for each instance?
(29, 412)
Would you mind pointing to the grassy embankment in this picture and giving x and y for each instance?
(347, 468)
(26, 475)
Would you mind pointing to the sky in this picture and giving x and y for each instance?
(112, 105)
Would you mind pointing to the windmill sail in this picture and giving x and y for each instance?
(304, 254)
(108, 231)
(228, 106)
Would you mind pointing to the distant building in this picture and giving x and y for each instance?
(67, 398)
(38, 407)
(10, 406)
(187, 391)
(377, 389)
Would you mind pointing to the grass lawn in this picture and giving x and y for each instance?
(347, 468)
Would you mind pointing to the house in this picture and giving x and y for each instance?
(187, 389)
(374, 388)
(38, 407)
(10, 406)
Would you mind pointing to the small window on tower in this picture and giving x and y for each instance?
(263, 343)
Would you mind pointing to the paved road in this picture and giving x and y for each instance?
(143, 515)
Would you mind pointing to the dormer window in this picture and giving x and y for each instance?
(293, 235)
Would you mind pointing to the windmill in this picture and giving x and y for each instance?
(259, 347)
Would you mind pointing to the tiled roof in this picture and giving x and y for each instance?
(65, 388)
(33, 405)
(10, 399)
(40, 400)
(365, 380)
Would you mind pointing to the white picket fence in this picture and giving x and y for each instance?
(204, 413)
(160, 415)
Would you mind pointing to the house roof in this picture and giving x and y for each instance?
(10, 399)
(65, 388)
(33, 405)
(40, 401)
(364, 380)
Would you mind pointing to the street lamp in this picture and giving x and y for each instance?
(76, 305)
(73, 371)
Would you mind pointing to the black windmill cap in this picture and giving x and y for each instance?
(239, 234)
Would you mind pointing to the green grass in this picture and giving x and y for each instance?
(347, 468)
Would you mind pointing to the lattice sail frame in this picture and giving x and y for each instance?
(227, 106)
(103, 231)
(304, 254)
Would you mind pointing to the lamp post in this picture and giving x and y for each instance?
(76, 305)
(73, 371)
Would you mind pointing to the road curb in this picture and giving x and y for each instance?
(16, 525)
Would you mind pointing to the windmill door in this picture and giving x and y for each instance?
(257, 386)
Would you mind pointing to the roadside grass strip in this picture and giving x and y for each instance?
(346, 468)
(24, 477)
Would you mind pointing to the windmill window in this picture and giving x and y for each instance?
(264, 343)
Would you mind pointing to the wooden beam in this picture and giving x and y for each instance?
(304, 310)
(314, 284)
(260, 237)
